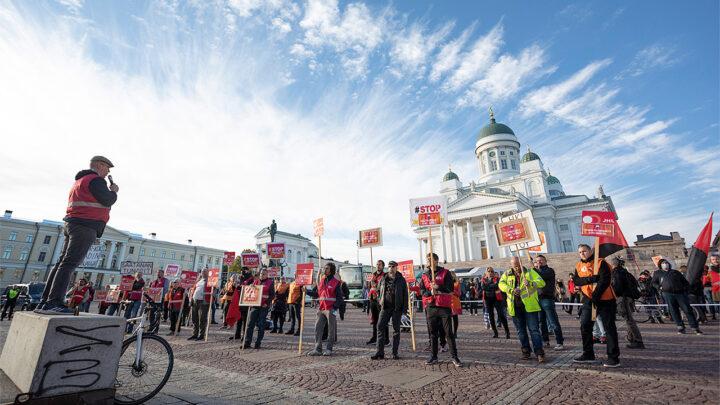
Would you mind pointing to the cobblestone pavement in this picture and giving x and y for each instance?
(673, 368)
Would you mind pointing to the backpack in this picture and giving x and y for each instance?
(624, 284)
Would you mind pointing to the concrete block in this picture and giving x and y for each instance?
(60, 354)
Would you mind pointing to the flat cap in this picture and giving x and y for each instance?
(102, 159)
(392, 263)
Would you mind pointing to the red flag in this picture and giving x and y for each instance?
(234, 314)
(698, 256)
(612, 244)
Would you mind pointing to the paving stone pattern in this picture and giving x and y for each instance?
(672, 369)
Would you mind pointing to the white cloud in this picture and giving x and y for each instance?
(448, 57)
(411, 47)
(477, 60)
(655, 56)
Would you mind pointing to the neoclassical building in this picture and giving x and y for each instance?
(508, 182)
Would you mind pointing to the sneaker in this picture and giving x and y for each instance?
(371, 342)
(559, 347)
(56, 310)
(456, 362)
(327, 353)
(396, 357)
(290, 332)
(525, 356)
(193, 337)
(315, 353)
(584, 359)
(377, 356)
(541, 358)
(698, 331)
(431, 360)
(612, 363)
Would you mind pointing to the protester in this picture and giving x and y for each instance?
(279, 306)
(548, 315)
(89, 299)
(714, 273)
(626, 291)
(226, 296)
(473, 294)
(393, 300)
(492, 301)
(176, 295)
(134, 297)
(346, 296)
(674, 287)
(602, 298)
(437, 299)
(78, 294)
(104, 304)
(329, 295)
(648, 296)
(573, 295)
(257, 316)
(374, 304)
(87, 213)
(456, 304)
(365, 297)
(156, 307)
(200, 305)
(294, 301)
(521, 284)
(708, 286)
(246, 278)
(10, 302)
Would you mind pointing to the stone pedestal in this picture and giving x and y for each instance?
(51, 355)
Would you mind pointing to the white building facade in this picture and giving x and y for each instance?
(508, 183)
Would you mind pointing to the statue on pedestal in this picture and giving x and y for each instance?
(273, 230)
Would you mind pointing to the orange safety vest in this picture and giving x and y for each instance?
(295, 293)
(586, 270)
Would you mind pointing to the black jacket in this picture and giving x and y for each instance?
(603, 280)
(657, 278)
(101, 192)
(548, 275)
(401, 292)
(446, 287)
(674, 282)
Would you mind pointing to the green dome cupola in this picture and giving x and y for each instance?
(529, 156)
(494, 128)
(450, 175)
(552, 179)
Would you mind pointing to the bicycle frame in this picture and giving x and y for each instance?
(138, 342)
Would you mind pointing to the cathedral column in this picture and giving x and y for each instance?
(471, 254)
(456, 242)
(504, 251)
(444, 257)
(488, 246)
(552, 238)
(121, 255)
(108, 257)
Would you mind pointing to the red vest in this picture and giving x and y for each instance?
(439, 299)
(267, 286)
(79, 294)
(177, 297)
(326, 293)
(715, 279)
(158, 282)
(82, 204)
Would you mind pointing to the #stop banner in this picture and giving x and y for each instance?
(518, 231)
(276, 251)
(213, 277)
(251, 260)
(407, 269)
(304, 273)
(188, 279)
(370, 238)
(428, 211)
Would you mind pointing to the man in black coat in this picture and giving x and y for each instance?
(393, 301)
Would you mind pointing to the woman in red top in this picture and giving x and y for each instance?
(176, 294)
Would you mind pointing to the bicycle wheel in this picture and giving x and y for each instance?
(135, 385)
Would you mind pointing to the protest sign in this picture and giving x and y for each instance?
(407, 269)
(155, 293)
(370, 238)
(113, 296)
(542, 248)
(598, 223)
(172, 270)
(276, 251)
(251, 260)
(228, 258)
(213, 277)
(188, 279)
(93, 256)
(304, 273)
(318, 227)
(428, 211)
(130, 267)
(517, 231)
(251, 296)
(273, 272)
(126, 283)
(100, 295)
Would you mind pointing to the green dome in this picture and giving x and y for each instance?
(494, 128)
(552, 179)
(450, 176)
(529, 156)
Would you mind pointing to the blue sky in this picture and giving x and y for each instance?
(221, 116)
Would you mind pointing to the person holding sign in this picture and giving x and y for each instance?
(521, 286)
(330, 297)
(246, 278)
(374, 304)
(437, 299)
(257, 316)
(393, 300)
(156, 306)
(200, 305)
(176, 295)
(135, 296)
(294, 304)
(603, 298)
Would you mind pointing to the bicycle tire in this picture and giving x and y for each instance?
(171, 358)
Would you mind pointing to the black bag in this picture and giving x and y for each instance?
(624, 284)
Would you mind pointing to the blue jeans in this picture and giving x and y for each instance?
(528, 321)
(549, 321)
(131, 312)
(677, 302)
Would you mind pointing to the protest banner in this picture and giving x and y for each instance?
(273, 272)
(428, 211)
(370, 238)
(126, 283)
(228, 258)
(94, 255)
(154, 293)
(100, 295)
(188, 279)
(212, 282)
(251, 260)
(130, 267)
(172, 271)
(113, 296)
(517, 231)
(213, 277)
(598, 223)
(276, 251)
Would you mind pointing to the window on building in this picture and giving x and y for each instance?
(564, 227)
(172, 255)
(131, 250)
(7, 252)
(503, 164)
(502, 153)
(142, 251)
(163, 254)
(153, 253)
(28, 238)
(209, 260)
(513, 164)
(47, 240)
(202, 258)
(299, 257)
(41, 257)
(182, 258)
(13, 236)
(114, 262)
(217, 261)
(493, 165)
(24, 255)
(290, 255)
(567, 246)
(511, 153)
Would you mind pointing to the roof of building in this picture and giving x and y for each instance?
(494, 128)
(552, 179)
(657, 238)
(450, 175)
(529, 156)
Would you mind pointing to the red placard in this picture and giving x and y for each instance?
(598, 223)
(512, 231)
(304, 273)
(251, 295)
(276, 250)
(100, 295)
(155, 293)
(113, 296)
(213, 277)
(371, 237)
(407, 269)
(126, 283)
(228, 258)
(172, 270)
(319, 227)
(188, 279)
(273, 272)
(251, 260)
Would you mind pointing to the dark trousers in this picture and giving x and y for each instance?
(258, 318)
(240, 325)
(492, 305)
(199, 317)
(278, 320)
(698, 299)
(607, 311)
(374, 317)
(174, 317)
(78, 239)
(473, 308)
(549, 321)
(440, 322)
(677, 302)
(294, 316)
(9, 306)
(212, 313)
(385, 318)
